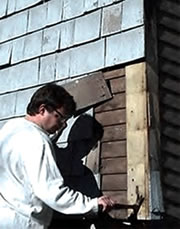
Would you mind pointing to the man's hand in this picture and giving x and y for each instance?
(105, 203)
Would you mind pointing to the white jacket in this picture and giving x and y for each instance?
(30, 182)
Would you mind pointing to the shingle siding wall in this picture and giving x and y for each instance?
(43, 41)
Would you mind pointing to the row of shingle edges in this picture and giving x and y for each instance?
(169, 75)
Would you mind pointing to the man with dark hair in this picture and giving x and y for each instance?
(53, 96)
(30, 182)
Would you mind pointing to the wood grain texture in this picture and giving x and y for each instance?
(113, 166)
(113, 149)
(115, 182)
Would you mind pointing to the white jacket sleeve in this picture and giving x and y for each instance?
(48, 183)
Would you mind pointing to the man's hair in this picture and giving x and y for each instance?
(53, 96)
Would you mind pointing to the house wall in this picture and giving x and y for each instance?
(58, 40)
(113, 153)
(64, 40)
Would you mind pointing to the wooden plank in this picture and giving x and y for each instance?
(112, 166)
(89, 90)
(135, 78)
(136, 112)
(111, 117)
(117, 85)
(112, 133)
(115, 73)
(113, 149)
(137, 137)
(118, 101)
(118, 196)
(115, 182)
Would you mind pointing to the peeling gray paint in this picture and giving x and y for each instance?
(133, 13)
(5, 53)
(37, 17)
(125, 47)
(33, 45)
(72, 8)
(54, 11)
(3, 8)
(87, 58)
(87, 27)
(112, 17)
(51, 39)
(47, 69)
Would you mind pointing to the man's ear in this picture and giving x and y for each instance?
(42, 109)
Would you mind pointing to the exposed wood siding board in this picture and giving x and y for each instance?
(137, 138)
(115, 182)
(113, 149)
(135, 78)
(113, 161)
(113, 166)
(111, 117)
(114, 73)
(118, 101)
(88, 91)
(118, 196)
(137, 143)
(117, 85)
(137, 118)
(113, 133)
